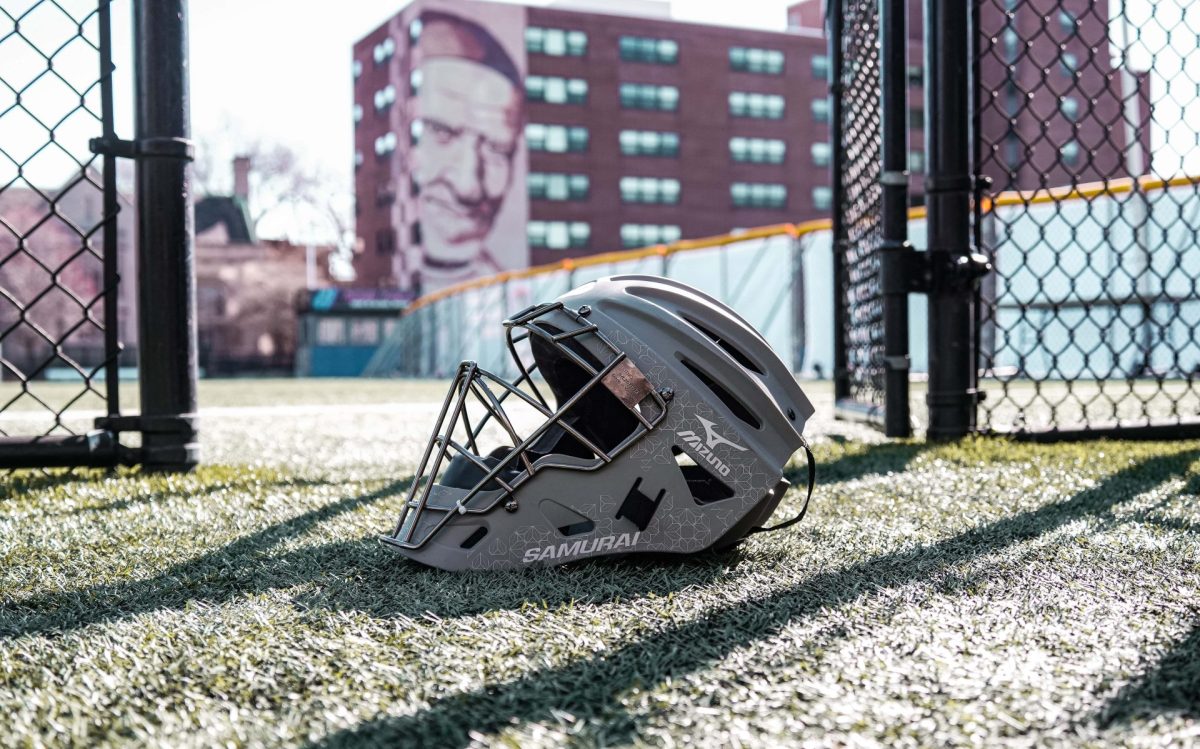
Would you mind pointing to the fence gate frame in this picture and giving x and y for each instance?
(870, 211)
(875, 269)
(167, 362)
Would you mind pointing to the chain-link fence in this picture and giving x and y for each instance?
(743, 271)
(67, 237)
(1086, 127)
(60, 341)
(858, 129)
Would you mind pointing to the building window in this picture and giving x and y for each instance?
(331, 331)
(916, 161)
(1070, 107)
(543, 186)
(415, 27)
(384, 50)
(822, 198)
(385, 242)
(916, 118)
(356, 69)
(820, 110)
(415, 128)
(358, 113)
(758, 150)
(559, 235)
(384, 196)
(358, 159)
(758, 195)
(556, 138)
(385, 144)
(648, 49)
(649, 143)
(649, 96)
(822, 153)
(414, 81)
(756, 60)
(649, 190)
(756, 106)
(916, 75)
(1070, 153)
(1070, 64)
(1068, 23)
(385, 97)
(642, 235)
(554, 90)
(364, 332)
(555, 42)
(820, 67)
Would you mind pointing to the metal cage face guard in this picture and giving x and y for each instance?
(585, 370)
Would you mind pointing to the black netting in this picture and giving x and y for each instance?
(1087, 128)
(861, 202)
(58, 236)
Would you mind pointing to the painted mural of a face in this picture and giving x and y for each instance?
(467, 114)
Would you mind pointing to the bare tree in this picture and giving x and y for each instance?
(290, 197)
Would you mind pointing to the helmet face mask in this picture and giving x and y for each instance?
(457, 477)
(667, 433)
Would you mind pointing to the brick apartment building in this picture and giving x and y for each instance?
(637, 129)
(493, 136)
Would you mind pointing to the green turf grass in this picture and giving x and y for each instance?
(983, 592)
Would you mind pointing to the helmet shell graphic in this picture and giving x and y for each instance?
(645, 416)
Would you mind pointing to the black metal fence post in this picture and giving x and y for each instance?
(895, 253)
(166, 288)
(952, 396)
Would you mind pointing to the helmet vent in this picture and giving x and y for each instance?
(638, 507)
(704, 487)
(728, 347)
(566, 521)
(475, 537)
(733, 404)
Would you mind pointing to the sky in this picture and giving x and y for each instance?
(272, 69)
(278, 71)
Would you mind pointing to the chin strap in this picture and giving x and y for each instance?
(812, 480)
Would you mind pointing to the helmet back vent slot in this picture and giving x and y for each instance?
(735, 406)
(739, 355)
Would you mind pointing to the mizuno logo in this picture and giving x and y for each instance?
(704, 445)
(715, 439)
(563, 550)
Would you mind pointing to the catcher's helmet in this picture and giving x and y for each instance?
(672, 421)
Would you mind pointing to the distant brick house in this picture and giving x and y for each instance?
(247, 289)
(52, 286)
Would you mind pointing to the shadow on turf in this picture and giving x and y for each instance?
(1172, 687)
(359, 575)
(232, 570)
(352, 575)
(594, 688)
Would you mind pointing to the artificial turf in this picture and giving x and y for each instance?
(982, 592)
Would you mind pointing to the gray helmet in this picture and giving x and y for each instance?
(646, 416)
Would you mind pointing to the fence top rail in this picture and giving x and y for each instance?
(1146, 183)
